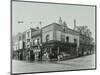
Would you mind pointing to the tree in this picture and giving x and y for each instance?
(84, 30)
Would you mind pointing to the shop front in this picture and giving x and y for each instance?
(56, 49)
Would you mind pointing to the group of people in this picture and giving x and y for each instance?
(38, 56)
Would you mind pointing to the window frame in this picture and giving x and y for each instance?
(47, 37)
(67, 39)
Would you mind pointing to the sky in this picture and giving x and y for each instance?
(30, 14)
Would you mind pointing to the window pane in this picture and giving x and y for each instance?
(75, 40)
(28, 33)
(33, 42)
(37, 41)
(19, 38)
(63, 38)
(67, 39)
(28, 40)
(47, 38)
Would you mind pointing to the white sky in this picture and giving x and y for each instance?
(49, 13)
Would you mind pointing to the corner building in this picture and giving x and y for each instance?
(54, 39)
(59, 39)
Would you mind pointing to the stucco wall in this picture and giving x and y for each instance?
(18, 45)
(29, 34)
(47, 31)
(35, 38)
(71, 37)
(50, 33)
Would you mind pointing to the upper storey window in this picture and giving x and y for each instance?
(63, 38)
(28, 40)
(28, 34)
(38, 41)
(19, 38)
(47, 38)
(75, 41)
(67, 39)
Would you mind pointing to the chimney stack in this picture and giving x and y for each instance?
(37, 28)
(74, 23)
(60, 21)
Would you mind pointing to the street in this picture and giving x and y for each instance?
(85, 62)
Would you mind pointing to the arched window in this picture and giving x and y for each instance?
(75, 41)
(47, 38)
(67, 39)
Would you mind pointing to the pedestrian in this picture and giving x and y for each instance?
(58, 57)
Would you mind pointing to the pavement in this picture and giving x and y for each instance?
(86, 62)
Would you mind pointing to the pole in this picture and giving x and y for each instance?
(41, 41)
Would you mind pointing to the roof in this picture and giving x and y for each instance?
(49, 25)
(33, 29)
(60, 28)
(36, 33)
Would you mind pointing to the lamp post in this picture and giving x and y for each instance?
(41, 40)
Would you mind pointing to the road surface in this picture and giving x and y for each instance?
(85, 62)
